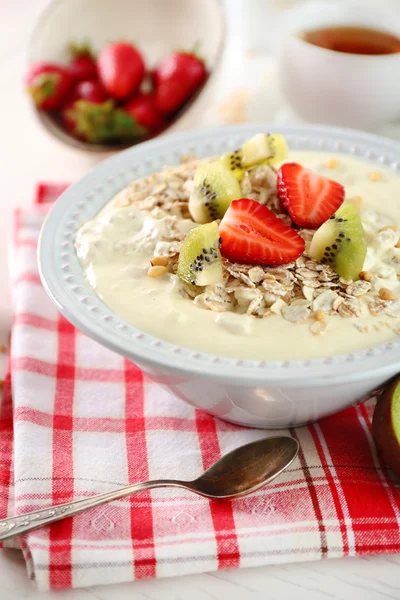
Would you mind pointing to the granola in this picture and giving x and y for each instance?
(295, 291)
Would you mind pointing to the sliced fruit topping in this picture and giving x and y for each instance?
(386, 426)
(200, 259)
(310, 199)
(214, 189)
(251, 233)
(263, 148)
(341, 243)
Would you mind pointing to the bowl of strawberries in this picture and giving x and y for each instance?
(107, 75)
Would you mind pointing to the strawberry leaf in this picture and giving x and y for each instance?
(83, 48)
(98, 123)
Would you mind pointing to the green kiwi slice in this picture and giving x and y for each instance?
(214, 189)
(263, 148)
(340, 242)
(200, 259)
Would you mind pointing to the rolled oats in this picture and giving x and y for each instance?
(240, 275)
(304, 273)
(393, 309)
(324, 301)
(244, 295)
(358, 288)
(377, 306)
(319, 327)
(277, 306)
(337, 302)
(295, 313)
(245, 184)
(308, 292)
(255, 305)
(256, 274)
(350, 309)
(216, 298)
(300, 302)
(312, 283)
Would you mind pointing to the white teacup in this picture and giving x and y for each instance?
(326, 86)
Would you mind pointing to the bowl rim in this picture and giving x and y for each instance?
(65, 283)
(51, 125)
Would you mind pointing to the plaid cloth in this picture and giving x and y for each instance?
(85, 421)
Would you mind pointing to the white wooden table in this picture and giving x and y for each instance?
(28, 154)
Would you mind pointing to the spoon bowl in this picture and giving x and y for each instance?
(237, 473)
(247, 468)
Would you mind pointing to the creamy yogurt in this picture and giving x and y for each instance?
(115, 249)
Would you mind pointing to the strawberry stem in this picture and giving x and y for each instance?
(83, 48)
(98, 123)
(194, 50)
(43, 87)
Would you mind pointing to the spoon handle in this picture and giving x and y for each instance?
(20, 524)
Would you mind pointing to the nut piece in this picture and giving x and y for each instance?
(393, 227)
(159, 261)
(157, 271)
(365, 275)
(319, 315)
(375, 176)
(386, 294)
(332, 163)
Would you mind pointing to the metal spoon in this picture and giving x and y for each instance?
(238, 473)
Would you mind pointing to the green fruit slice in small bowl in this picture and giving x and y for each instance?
(386, 426)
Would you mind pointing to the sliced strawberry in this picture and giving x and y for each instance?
(310, 199)
(251, 233)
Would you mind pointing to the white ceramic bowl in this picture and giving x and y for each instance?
(156, 26)
(350, 90)
(255, 393)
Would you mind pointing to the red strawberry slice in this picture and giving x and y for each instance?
(251, 233)
(310, 199)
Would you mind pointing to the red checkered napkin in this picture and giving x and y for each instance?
(85, 421)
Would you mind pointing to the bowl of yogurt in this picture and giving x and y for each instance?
(137, 256)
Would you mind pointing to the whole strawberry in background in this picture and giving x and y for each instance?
(144, 110)
(92, 91)
(176, 78)
(83, 63)
(48, 84)
(121, 69)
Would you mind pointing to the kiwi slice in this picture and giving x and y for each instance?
(386, 426)
(340, 242)
(200, 259)
(214, 189)
(263, 148)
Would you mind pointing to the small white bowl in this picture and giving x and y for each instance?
(155, 26)
(324, 86)
(270, 394)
